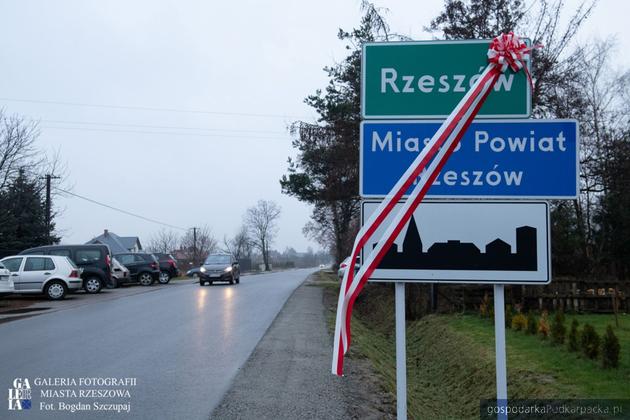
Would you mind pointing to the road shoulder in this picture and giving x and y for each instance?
(288, 374)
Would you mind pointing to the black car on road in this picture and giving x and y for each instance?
(143, 268)
(168, 267)
(219, 267)
(95, 260)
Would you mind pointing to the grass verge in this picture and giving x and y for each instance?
(451, 365)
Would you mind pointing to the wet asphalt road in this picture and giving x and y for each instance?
(183, 344)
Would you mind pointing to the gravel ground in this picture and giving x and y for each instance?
(288, 374)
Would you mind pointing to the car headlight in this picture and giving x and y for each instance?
(202, 269)
(228, 269)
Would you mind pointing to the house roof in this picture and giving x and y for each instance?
(116, 243)
(130, 241)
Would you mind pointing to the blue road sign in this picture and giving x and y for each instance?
(535, 159)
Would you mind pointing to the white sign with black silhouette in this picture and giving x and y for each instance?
(469, 242)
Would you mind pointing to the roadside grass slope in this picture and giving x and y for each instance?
(451, 365)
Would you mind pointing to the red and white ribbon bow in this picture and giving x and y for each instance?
(508, 50)
(505, 51)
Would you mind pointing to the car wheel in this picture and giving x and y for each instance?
(201, 282)
(93, 285)
(55, 290)
(164, 277)
(145, 279)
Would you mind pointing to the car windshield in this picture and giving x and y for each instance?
(218, 259)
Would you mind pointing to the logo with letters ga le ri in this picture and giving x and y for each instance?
(20, 394)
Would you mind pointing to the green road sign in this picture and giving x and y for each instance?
(427, 79)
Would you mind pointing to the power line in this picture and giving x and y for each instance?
(153, 109)
(111, 130)
(159, 127)
(120, 210)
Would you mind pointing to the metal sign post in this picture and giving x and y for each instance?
(499, 348)
(401, 353)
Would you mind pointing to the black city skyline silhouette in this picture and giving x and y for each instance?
(457, 255)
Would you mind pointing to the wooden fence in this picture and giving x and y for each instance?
(578, 295)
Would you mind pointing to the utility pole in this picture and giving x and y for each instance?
(194, 229)
(49, 178)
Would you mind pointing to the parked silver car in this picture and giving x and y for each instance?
(6, 284)
(120, 273)
(49, 274)
(344, 266)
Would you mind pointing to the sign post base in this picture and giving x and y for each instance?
(401, 353)
(499, 346)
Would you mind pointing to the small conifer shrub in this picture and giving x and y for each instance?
(573, 340)
(543, 325)
(558, 329)
(589, 341)
(610, 349)
(532, 325)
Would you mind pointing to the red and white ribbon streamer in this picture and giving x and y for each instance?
(507, 51)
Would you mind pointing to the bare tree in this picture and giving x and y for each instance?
(164, 241)
(17, 146)
(197, 243)
(19, 155)
(604, 122)
(261, 225)
(334, 226)
(554, 70)
(239, 245)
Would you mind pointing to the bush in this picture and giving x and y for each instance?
(543, 325)
(574, 337)
(486, 308)
(519, 322)
(558, 330)
(532, 325)
(509, 313)
(610, 349)
(589, 341)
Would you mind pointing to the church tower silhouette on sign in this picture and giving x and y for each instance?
(412, 242)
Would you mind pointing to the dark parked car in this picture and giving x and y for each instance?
(168, 267)
(193, 272)
(95, 260)
(143, 268)
(219, 267)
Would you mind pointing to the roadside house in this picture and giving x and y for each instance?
(117, 244)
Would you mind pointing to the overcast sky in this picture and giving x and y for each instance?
(177, 110)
